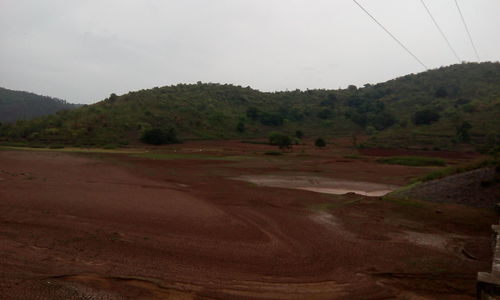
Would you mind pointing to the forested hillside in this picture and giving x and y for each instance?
(17, 105)
(438, 108)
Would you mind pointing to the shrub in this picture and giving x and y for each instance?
(320, 142)
(271, 119)
(157, 136)
(412, 161)
(280, 139)
(56, 146)
(425, 117)
(240, 127)
(273, 153)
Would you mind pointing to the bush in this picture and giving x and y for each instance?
(280, 139)
(271, 119)
(425, 117)
(412, 161)
(325, 114)
(320, 142)
(240, 127)
(157, 136)
(56, 146)
(273, 153)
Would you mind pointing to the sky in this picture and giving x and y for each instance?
(82, 51)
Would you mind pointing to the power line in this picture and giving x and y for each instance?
(467, 29)
(389, 33)
(440, 31)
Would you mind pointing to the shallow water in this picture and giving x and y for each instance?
(320, 184)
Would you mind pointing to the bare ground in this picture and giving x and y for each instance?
(122, 227)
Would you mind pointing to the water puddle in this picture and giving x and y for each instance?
(320, 184)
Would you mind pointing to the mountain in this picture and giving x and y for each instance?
(17, 105)
(439, 108)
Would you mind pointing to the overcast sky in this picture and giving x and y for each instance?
(82, 51)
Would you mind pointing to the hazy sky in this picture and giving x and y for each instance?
(84, 50)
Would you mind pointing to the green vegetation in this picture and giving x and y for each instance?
(398, 113)
(273, 153)
(412, 161)
(320, 143)
(425, 117)
(393, 198)
(441, 173)
(158, 136)
(17, 105)
(283, 141)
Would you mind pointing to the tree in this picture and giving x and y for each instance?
(253, 113)
(299, 134)
(320, 143)
(283, 141)
(241, 127)
(441, 92)
(329, 101)
(157, 136)
(425, 117)
(463, 132)
(383, 120)
(271, 119)
(325, 114)
(113, 97)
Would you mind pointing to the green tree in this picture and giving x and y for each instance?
(157, 136)
(325, 114)
(283, 141)
(113, 97)
(320, 143)
(425, 117)
(253, 113)
(240, 127)
(463, 132)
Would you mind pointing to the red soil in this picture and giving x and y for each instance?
(114, 227)
(428, 153)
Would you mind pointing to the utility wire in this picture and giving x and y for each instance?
(467, 29)
(441, 31)
(389, 33)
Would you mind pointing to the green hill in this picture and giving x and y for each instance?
(17, 105)
(438, 108)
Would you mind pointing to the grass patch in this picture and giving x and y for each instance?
(172, 156)
(484, 163)
(403, 201)
(415, 161)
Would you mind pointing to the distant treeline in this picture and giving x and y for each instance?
(439, 108)
(17, 105)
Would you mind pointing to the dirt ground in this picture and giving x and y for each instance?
(120, 226)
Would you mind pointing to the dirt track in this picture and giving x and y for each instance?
(120, 227)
